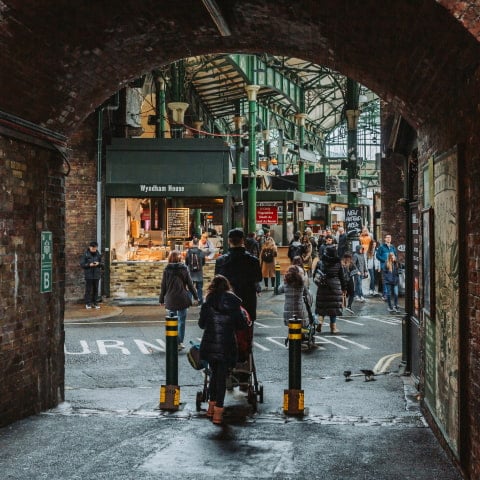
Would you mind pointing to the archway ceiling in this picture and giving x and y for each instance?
(61, 60)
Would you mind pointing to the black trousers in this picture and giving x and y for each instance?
(218, 382)
(91, 290)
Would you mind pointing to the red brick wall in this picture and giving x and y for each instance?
(393, 209)
(31, 334)
(81, 205)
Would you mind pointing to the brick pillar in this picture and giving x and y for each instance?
(31, 323)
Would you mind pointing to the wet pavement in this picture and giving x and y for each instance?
(356, 429)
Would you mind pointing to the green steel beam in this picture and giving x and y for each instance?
(256, 71)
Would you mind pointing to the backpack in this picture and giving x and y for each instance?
(268, 256)
(295, 251)
(194, 263)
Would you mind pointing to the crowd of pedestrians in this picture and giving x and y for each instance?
(327, 262)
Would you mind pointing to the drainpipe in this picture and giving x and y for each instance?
(112, 107)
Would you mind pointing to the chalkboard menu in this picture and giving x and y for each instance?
(353, 220)
(178, 222)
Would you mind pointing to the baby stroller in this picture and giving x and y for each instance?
(242, 375)
(308, 331)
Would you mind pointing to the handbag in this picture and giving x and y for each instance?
(193, 357)
(320, 277)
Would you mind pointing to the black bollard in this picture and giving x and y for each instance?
(277, 278)
(170, 393)
(293, 398)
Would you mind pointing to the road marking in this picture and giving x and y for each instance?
(261, 347)
(262, 325)
(273, 340)
(148, 348)
(381, 320)
(351, 321)
(326, 340)
(344, 339)
(385, 362)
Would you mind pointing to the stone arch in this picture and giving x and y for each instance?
(408, 53)
(57, 66)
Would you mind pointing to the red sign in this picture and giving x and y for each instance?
(267, 215)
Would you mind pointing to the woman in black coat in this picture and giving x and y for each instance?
(329, 300)
(220, 317)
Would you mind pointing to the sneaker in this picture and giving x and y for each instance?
(96, 306)
(391, 310)
(362, 299)
(349, 310)
(397, 310)
(384, 298)
(181, 347)
(88, 306)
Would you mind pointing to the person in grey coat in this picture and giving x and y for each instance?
(329, 299)
(361, 265)
(173, 294)
(295, 289)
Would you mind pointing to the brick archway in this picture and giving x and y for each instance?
(58, 65)
(69, 61)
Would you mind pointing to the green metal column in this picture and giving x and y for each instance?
(300, 117)
(161, 113)
(238, 154)
(252, 91)
(352, 113)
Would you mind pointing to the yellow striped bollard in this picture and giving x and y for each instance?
(170, 393)
(277, 278)
(293, 398)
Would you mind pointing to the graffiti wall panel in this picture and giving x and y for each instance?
(446, 294)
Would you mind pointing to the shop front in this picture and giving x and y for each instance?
(159, 194)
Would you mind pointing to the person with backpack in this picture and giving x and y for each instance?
(195, 260)
(295, 249)
(267, 261)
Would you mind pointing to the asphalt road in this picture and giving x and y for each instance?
(111, 427)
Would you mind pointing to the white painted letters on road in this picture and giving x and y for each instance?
(148, 348)
(103, 345)
(85, 349)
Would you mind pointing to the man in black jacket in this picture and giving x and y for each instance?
(92, 265)
(242, 270)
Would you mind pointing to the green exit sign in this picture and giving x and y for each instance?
(46, 255)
